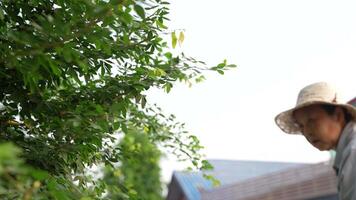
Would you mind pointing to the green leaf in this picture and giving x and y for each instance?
(200, 79)
(220, 71)
(126, 17)
(143, 102)
(168, 87)
(160, 24)
(140, 11)
(174, 39)
(222, 65)
(168, 55)
(231, 65)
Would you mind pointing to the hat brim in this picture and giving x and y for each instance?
(286, 122)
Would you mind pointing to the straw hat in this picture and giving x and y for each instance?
(317, 93)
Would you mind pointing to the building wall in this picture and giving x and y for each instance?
(310, 183)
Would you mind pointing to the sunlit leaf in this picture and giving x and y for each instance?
(181, 38)
(174, 39)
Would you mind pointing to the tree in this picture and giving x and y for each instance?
(73, 75)
(140, 165)
(139, 169)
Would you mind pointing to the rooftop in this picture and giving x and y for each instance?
(189, 184)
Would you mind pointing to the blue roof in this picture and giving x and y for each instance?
(190, 183)
(227, 172)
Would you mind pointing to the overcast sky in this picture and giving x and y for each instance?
(279, 46)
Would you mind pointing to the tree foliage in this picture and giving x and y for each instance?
(73, 75)
(139, 169)
(140, 165)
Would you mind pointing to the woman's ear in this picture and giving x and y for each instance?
(339, 114)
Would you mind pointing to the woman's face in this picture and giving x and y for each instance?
(321, 129)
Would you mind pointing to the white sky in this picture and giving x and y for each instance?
(279, 46)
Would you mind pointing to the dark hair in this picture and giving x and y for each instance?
(330, 109)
